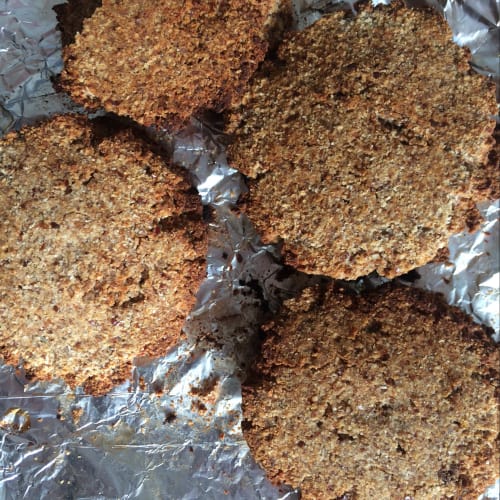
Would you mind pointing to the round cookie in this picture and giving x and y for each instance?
(163, 62)
(102, 249)
(391, 394)
(366, 142)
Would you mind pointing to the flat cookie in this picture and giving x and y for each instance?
(392, 394)
(162, 63)
(102, 249)
(366, 141)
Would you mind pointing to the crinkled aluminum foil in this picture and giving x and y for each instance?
(476, 25)
(169, 434)
(470, 279)
(174, 431)
(309, 11)
(30, 54)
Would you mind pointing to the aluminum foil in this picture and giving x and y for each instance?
(470, 279)
(168, 434)
(476, 25)
(173, 430)
(30, 55)
(309, 11)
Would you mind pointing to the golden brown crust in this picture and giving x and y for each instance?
(392, 394)
(366, 142)
(163, 63)
(101, 252)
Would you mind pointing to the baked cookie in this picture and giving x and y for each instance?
(102, 249)
(366, 142)
(163, 62)
(391, 394)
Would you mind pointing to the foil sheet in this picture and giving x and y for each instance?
(470, 279)
(476, 25)
(173, 430)
(167, 434)
(30, 55)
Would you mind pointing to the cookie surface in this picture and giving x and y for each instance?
(366, 143)
(392, 394)
(162, 63)
(102, 249)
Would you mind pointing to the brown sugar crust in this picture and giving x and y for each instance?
(102, 249)
(367, 142)
(389, 395)
(162, 63)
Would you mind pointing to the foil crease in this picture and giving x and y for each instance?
(174, 430)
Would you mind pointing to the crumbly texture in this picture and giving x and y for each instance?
(366, 140)
(102, 249)
(392, 394)
(162, 63)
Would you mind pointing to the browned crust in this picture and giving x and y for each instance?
(102, 250)
(490, 183)
(163, 63)
(392, 394)
(366, 143)
(70, 16)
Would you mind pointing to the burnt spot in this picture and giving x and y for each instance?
(449, 475)
(400, 449)
(170, 416)
(374, 326)
(246, 425)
